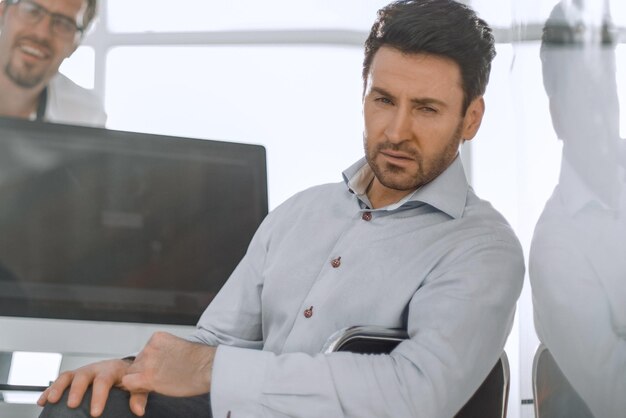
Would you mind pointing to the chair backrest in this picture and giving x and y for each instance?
(554, 396)
(490, 399)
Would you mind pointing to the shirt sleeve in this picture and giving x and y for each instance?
(458, 321)
(234, 316)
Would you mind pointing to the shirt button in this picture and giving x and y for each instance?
(367, 216)
(336, 262)
(308, 312)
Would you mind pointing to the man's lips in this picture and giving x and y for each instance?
(397, 155)
(34, 50)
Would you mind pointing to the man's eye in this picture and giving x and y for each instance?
(384, 100)
(427, 109)
(65, 25)
(31, 10)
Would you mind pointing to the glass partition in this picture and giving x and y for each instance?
(203, 15)
(562, 176)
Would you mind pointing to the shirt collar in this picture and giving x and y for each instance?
(447, 192)
(577, 195)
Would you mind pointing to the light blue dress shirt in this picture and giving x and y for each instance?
(441, 263)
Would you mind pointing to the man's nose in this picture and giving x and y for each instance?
(399, 126)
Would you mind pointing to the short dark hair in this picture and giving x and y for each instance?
(440, 27)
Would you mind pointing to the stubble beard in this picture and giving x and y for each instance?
(399, 178)
(25, 78)
(27, 75)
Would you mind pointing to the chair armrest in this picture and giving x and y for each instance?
(350, 337)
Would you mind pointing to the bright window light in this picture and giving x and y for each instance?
(496, 13)
(303, 103)
(202, 15)
(31, 369)
(80, 67)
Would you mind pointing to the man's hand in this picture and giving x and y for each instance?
(102, 375)
(170, 366)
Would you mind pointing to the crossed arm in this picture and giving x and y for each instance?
(167, 364)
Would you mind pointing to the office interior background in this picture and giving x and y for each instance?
(286, 74)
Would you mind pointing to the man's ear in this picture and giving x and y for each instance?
(473, 118)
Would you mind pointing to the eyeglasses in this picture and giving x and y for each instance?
(32, 13)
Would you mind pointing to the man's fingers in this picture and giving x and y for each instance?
(102, 375)
(78, 388)
(137, 382)
(45, 397)
(53, 393)
(138, 401)
(99, 394)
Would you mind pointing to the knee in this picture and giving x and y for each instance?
(116, 406)
(61, 410)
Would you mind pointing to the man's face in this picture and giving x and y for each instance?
(30, 54)
(413, 118)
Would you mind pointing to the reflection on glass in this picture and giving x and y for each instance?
(577, 260)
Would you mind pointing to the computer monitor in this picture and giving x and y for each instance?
(104, 225)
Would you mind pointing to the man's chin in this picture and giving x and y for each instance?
(26, 75)
(26, 81)
(398, 182)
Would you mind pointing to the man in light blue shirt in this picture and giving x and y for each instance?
(403, 242)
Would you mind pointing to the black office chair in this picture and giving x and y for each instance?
(554, 395)
(490, 399)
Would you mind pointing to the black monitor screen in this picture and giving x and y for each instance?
(117, 226)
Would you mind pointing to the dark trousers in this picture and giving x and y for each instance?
(158, 406)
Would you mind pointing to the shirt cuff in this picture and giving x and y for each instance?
(237, 381)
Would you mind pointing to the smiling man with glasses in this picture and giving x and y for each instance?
(35, 38)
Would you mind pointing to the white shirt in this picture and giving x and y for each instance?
(71, 104)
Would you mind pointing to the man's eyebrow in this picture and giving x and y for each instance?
(415, 101)
(429, 101)
(382, 92)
